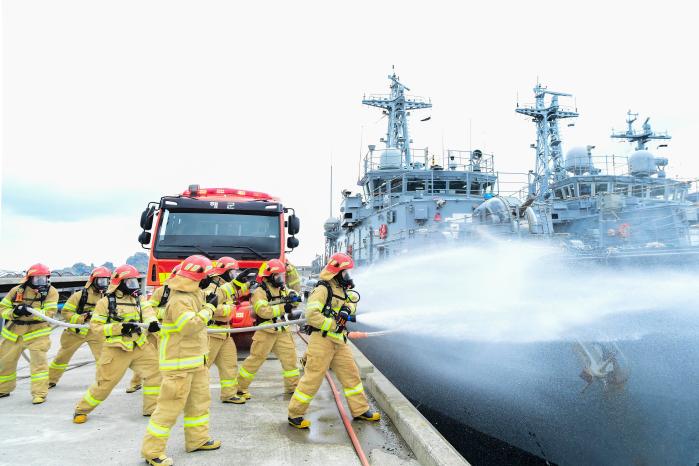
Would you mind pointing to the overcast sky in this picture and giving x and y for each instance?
(109, 105)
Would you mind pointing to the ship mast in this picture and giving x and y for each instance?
(641, 137)
(397, 106)
(549, 152)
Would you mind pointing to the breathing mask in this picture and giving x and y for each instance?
(345, 279)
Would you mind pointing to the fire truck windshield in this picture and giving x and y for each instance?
(254, 235)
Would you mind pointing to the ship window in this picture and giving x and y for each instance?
(396, 185)
(415, 184)
(621, 188)
(476, 189)
(659, 192)
(439, 186)
(558, 194)
(585, 189)
(639, 190)
(458, 187)
(601, 188)
(571, 190)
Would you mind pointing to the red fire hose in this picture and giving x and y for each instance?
(345, 418)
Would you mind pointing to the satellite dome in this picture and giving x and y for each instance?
(579, 160)
(642, 163)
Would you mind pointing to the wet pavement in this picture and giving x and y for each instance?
(254, 433)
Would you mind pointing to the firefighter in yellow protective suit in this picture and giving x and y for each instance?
(183, 348)
(157, 301)
(229, 288)
(22, 330)
(268, 304)
(78, 310)
(293, 279)
(330, 306)
(126, 344)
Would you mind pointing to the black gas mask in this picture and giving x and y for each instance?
(40, 283)
(130, 286)
(205, 282)
(101, 284)
(277, 279)
(345, 279)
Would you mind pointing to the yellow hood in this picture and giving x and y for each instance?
(183, 284)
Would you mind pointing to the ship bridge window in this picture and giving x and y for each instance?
(658, 192)
(601, 188)
(416, 184)
(396, 185)
(558, 194)
(621, 188)
(570, 190)
(585, 189)
(439, 186)
(639, 190)
(458, 187)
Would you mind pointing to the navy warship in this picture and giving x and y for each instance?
(577, 401)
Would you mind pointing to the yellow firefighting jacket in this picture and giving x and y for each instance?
(228, 295)
(109, 323)
(265, 308)
(20, 294)
(154, 301)
(70, 308)
(316, 303)
(293, 279)
(183, 339)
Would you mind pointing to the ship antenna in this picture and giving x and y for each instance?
(331, 184)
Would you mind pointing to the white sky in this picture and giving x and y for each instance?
(108, 105)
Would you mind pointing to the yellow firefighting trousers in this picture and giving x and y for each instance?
(282, 344)
(223, 353)
(70, 342)
(112, 366)
(10, 352)
(322, 354)
(180, 390)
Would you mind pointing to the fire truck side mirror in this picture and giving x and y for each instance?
(292, 242)
(147, 218)
(294, 225)
(144, 237)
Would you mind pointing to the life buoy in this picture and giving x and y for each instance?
(624, 230)
(383, 231)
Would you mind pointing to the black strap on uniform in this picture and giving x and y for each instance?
(165, 297)
(264, 286)
(83, 301)
(327, 308)
(111, 306)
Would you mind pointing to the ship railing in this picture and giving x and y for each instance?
(466, 160)
(532, 105)
(513, 184)
(389, 98)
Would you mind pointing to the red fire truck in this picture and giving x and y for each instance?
(248, 225)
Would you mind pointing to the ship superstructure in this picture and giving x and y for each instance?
(411, 198)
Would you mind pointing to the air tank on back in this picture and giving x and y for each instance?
(579, 160)
(642, 163)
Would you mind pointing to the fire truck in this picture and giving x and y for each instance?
(250, 226)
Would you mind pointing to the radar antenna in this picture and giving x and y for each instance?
(639, 137)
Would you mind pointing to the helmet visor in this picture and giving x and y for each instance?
(102, 282)
(39, 280)
(277, 279)
(131, 284)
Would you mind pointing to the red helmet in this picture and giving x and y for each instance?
(339, 262)
(98, 272)
(270, 267)
(176, 269)
(124, 272)
(195, 268)
(225, 264)
(37, 270)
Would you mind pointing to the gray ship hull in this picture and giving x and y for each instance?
(531, 395)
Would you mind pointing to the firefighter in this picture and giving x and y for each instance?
(222, 350)
(77, 310)
(22, 330)
(158, 301)
(293, 279)
(268, 304)
(126, 344)
(329, 307)
(183, 348)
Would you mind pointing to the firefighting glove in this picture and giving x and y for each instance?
(212, 298)
(128, 328)
(288, 307)
(154, 326)
(245, 275)
(294, 296)
(21, 310)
